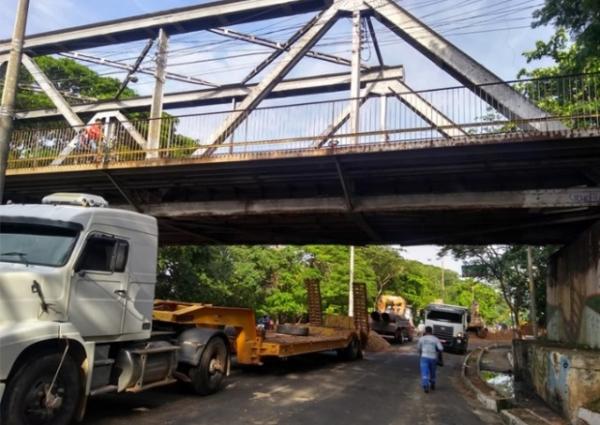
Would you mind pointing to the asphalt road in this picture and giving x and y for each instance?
(383, 389)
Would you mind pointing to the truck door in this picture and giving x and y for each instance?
(99, 289)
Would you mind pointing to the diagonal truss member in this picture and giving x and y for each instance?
(314, 31)
(461, 66)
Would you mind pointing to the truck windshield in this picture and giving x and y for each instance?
(36, 244)
(444, 316)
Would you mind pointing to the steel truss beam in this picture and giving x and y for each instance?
(176, 21)
(262, 41)
(83, 57)
(525, 199)
(287, 88)
(135, 135)
(48, 87)
(458, 64)
(310, 36)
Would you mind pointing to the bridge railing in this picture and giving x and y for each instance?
(566, 104)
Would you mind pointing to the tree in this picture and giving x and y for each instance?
(506, 267)
(580, 17)
(386, 265)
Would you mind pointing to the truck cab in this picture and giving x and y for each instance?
(449, 324)
(77, 283)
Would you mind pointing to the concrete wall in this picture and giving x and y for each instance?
(573, 312)
(566, 379)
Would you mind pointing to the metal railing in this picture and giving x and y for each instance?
(566, 103)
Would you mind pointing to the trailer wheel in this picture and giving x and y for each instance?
(352, 352)
(32, 399)
(208, 376)
(287, 329)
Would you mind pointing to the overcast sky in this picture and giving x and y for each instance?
(494, 33)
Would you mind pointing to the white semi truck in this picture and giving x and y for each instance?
(78, 315)
(76, 312)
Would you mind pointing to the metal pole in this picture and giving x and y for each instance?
(383, 117)
(356, 71)
(532, 307)
(351, 286)
(154, 128)
(9, 95)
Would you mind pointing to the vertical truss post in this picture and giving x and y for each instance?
(155, 126)
(50, 90)
(311, 36)
(383, 116)
(355, 100)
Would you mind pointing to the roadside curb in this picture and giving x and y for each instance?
(524, 416)
(488, 400)
(588, 416)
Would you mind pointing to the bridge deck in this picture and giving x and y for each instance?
(300, 198)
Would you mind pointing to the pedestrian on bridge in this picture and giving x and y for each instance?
(429, 350)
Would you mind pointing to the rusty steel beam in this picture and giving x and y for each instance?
(524, 199)
(175, 21)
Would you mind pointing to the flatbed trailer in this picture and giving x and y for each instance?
(251, 346)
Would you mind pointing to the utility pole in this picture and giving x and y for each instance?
(9, 95)
(351, 285)
(155, 126)
(532, 307)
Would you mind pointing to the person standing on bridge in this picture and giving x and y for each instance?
(429, 348)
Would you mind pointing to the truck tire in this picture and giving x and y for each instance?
(399, 337)
(25, 403)
(352, 352)
(208, 376)
(292, 330)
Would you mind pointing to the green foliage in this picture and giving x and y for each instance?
(505, 268)
(271, 279)
(69, 76)
(580, 17)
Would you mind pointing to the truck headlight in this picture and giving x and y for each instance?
(460, 335)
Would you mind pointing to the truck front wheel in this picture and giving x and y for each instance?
(208, 376)
(42, 392)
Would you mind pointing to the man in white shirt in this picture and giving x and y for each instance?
(429, 347)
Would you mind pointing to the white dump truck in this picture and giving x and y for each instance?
(78, 316)
(76, 312)
(449, 323)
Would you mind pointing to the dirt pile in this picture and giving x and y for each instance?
(376, 343)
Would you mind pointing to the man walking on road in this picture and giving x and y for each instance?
(429, 347)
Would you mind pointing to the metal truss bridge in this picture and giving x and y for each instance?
(371, 161)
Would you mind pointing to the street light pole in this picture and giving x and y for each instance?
(9, 95)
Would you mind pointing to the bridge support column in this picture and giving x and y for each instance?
(155, 126)
(564, 372)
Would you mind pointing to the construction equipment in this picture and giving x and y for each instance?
(476, 322)
(393, 318)
(78, 316)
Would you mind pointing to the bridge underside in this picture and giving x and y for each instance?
(534, 191)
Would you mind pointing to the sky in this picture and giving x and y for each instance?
(494, 33)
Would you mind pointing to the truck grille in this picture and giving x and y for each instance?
(443, 332)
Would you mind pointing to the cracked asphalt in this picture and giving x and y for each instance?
(382, 389)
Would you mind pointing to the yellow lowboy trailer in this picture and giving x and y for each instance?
(252, 346)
